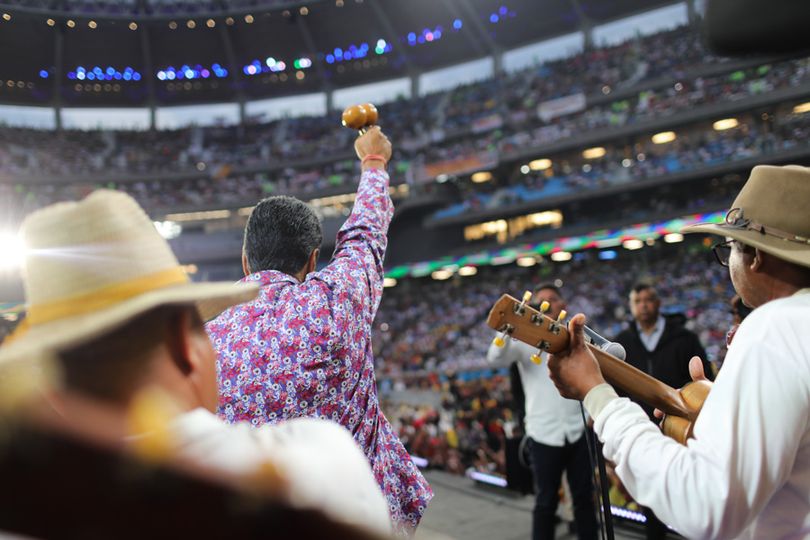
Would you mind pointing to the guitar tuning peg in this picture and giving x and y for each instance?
(499, 341)
(545, 306)
(563, 315)
(526, 297)
(537, 359)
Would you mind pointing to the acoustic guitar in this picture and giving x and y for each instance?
(520, 321)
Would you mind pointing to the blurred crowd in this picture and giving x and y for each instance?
(430, 338)
(642, 79)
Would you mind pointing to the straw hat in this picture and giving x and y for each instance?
(772, 213)
(92, 266)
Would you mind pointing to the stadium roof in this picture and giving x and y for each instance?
(172, 52)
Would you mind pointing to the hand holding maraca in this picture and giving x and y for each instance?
(372, 146)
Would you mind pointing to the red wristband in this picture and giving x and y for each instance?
(373, 157)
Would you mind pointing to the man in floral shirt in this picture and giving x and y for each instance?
(303, 347)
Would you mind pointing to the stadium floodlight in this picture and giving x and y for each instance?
(466, 271)
(389, 282)
(632, 244)
(481, 177)
(441, 275)
(12, 251)
(540, 164)
(527, 261)
(802, 108)
(725, 123)
(561, 256)
(594, 153)
(664, 137)
(673, 238)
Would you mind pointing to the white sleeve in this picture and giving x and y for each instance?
(746, 440)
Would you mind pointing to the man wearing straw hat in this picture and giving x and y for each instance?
(746, 473)
(123, 325)
(303, 347)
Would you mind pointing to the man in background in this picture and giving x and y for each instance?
(556, 433)
(659, 346)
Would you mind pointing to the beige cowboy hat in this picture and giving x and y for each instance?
(93, 265)
(771, 212)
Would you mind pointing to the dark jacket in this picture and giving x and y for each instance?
(669, 362)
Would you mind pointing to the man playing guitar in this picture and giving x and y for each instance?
(746, 472)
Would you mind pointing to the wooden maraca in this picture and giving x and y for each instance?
(360, 117)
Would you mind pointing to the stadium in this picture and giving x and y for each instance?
(557, 144)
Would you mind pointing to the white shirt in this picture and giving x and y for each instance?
(746, 473)
(324, 467)
(650, 341)
(550, 418)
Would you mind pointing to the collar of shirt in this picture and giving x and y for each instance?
(266, 277)
(650, 340)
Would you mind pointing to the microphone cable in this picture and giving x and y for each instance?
(595, 455)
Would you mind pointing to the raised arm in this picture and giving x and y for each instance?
(355, 274)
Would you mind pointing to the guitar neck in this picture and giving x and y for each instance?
(641, 386)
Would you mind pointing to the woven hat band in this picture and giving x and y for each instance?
(104, 297)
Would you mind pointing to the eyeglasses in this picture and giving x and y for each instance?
(722, 251)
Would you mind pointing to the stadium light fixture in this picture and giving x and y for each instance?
(526, 262)
(12, 251)
(304, 11)
(466, 271)
(249, 18)
(70, 23)
(6, 16)
(210, 23)
(133, 26)
(50, 22)
(540, 164)
(389, 282)
(594, 153)
(92, 25)
(561, 256)
(525, 169)
(191, 24)
(633, 244)
(673, 238)
(441, 275)
(802, 108)
(664, 137)
(726, 123)
(173, 25)
(481, 177)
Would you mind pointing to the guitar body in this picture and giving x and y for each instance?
(678, 427)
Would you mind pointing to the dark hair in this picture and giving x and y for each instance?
(548, 287)
(111, 367)
(638, 287)
(281, 233)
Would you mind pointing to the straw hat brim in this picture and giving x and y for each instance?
(47, 338)
(794, 252)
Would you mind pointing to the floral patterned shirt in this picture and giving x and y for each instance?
(304, 350)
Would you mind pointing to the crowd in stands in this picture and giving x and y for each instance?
(639, 160)
(431, 336)
(236, 165)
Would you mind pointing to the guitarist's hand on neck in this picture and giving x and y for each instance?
(575, 371)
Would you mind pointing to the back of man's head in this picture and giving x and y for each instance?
(114, 367)
(281, 234)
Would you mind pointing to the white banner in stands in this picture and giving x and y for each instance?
(548, 110)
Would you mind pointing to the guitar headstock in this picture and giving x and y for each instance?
(520, 321)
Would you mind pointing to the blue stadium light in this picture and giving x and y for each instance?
(80, 75)
(494, 18)
(43, 73)
(161, 75)
(270, 61)
(71, 75)
(457, 24)
(136, 76)
(91, 76)
(330, 59)
(117, 76)
(204, 73)
(170, 74)
(502, 10)
(607, 255)
(110, 70)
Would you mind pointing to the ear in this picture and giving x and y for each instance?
(192, 353)
(245, 266)
(312, 263)
(759, 261)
